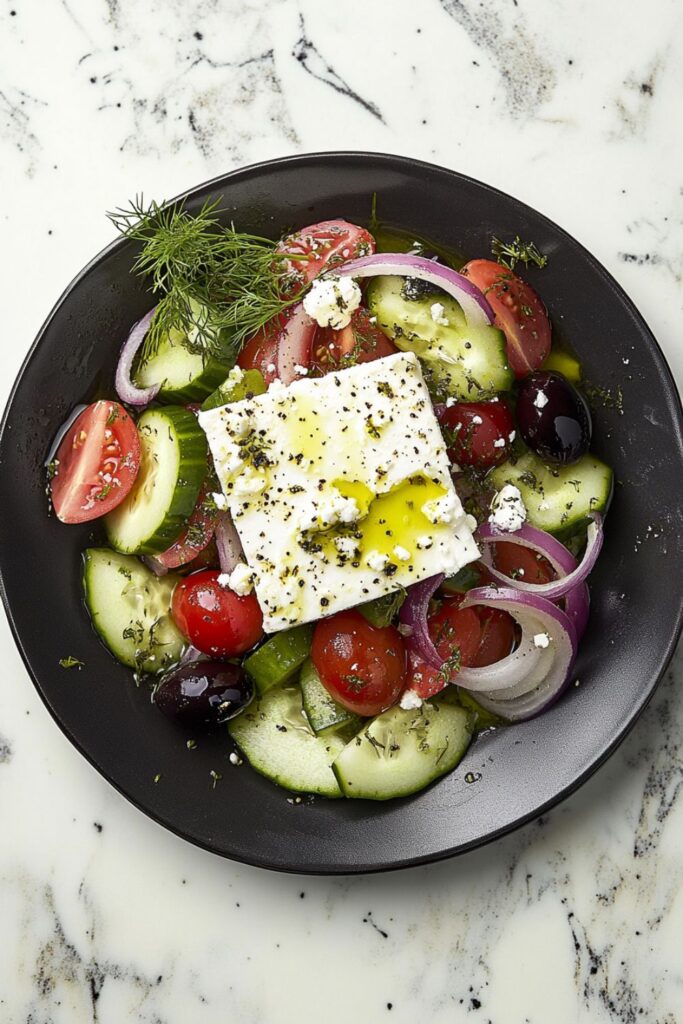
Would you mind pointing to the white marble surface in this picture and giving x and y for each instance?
(572, 106)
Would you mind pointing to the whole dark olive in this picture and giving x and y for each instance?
(553, 418)
(204, 693)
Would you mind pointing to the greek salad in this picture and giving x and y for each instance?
(348, 500)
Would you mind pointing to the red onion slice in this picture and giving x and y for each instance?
(570, 575)
(478, 312)
(413, 619)
(123, 382)
(531, 678)
(294, 344)
(577, 605)
(154, 564)
(229, 545)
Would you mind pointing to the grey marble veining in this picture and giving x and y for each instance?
(573, 107)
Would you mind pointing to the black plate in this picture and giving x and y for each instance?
(520, 771)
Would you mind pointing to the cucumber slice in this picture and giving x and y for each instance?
(130, 608)
(172, 469)
(185, 376)
(279, 658)
(322, 711)
(400, 752)
(275, 737)
(558, 499)
(467, 363)
(238, 385)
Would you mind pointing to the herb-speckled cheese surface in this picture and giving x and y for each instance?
(339, 488)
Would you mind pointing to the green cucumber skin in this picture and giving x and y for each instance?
(469, 364)
(279, 658)
(204, 373)
(558, 520)
(140, 653)
(324, 714)
(250, 385)
(193, 464)
(213, 374)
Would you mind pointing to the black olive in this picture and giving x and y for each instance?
(204, 693)
(553, 418)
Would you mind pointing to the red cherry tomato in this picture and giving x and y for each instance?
(360, 342)
(263, 351)
(326, 244)
(522, 563)
(197, 533)
(217, 621)
(96, 463)
(260, 352)
(519, 313)
(362, 666)
(497, 636)
(478, 433)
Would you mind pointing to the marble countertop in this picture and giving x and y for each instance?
(573, 107)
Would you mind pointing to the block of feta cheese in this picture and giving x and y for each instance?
(339, 488)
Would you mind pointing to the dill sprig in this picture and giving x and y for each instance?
(517, 251)
(216, 286)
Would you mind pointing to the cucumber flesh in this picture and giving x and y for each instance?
(558, 499)
(280, 657)
(467, 363)
(130, 608)
(400, 752)
(238, 385)
(274, 735)
(172, 469)
(324, 714)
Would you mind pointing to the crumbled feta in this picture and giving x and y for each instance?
(499, 442)
(511, 436)
(542, 640)
(541, 400)
(477, 420)
(377, 561)
(410, 701)
(442, 510)
(437, 310)
(507, 509)
(401, 553)
(242, 579)
(235, 758)
(346, 546)
(235, 375)
(220, 501)
(331, 301)
(471, 522)
(450, 402)
(301, 371)
(223, 580)
(271, 368)
(425, 543)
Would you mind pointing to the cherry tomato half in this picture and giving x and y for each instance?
(96, 463)
(260, 352)
(216, 620)
(326, 244)
(519, 313)
(196, 534)
(478, 433)
(360, 342)
(362, 666)
(521, 563)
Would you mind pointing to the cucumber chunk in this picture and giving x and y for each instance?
(275, 737)
(184, 375)
(238, 385)
(172, 469)
(322, 710)
(564, 363)
(130, 608)
(279, 658)
(467, 363)
(558, 499)
(400, 752)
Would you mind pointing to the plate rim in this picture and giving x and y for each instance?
(334, 157)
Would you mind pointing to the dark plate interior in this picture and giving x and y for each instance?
(521, 771)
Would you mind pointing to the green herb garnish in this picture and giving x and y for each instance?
(517, 251)
(71, 662)
(215, 286)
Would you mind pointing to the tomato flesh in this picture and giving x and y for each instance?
(498, 633)
(326, 244)
(478, 433)
(96, 463)
(520, 563)
(260, 352)
(197, 533)
(215, 620)
(519, 313)
(362, 666)
(360, 342)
